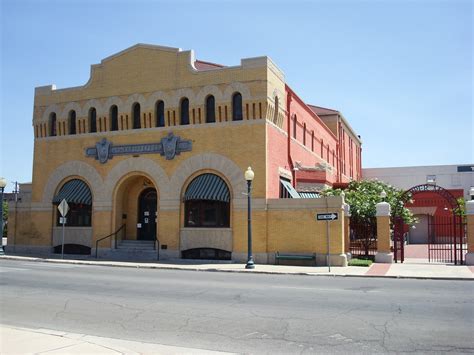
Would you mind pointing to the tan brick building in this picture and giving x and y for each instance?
(155, 145)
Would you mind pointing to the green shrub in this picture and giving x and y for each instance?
(360, 262)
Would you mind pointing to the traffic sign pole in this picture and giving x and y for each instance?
(62, 244)
(63, 209)
(327, 237)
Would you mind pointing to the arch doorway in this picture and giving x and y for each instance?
(440, 231)
(147, 214)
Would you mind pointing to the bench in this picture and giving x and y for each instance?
(279, 257)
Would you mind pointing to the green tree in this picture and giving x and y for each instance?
(362, 196)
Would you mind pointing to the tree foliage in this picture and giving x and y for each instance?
(362, 196)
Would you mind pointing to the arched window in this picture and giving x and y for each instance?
(52, 124)
(184, 114)
(113, 114)
(207, 203)
(160, 113)
(72, 122)
(304, 134)
(79, 198)
(275, 114)
(210, 109)
(92, 120)
(295, 124)
(136, 115)
(237, 107)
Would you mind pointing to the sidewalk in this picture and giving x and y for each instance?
(412, 268)
(15, 340)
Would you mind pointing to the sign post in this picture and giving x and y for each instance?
(63, 209)
(328, 217)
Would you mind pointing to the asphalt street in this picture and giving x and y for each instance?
(238, 312)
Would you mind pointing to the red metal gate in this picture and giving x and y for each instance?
(398, 239)
(447, 241)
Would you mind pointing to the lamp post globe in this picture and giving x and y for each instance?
(3, 183)
(249, 175)
(383, 195)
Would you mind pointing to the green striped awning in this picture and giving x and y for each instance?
(74, 191)
(207, 187)
(308, 194)
(291, 190)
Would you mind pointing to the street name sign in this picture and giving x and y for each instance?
(327, 216)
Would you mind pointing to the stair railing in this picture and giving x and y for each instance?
(156, 245)
(122, 227)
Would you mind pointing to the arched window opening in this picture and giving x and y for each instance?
(237, 107)
(295, 124)
(160, 113)
(136, 116)
(72, 122)
(207, 203)
(210, 109)
(275, 114)
(92, 120)
(79, 198)
(52, 124)
(304, 134)
(114, 118)
(184, 114)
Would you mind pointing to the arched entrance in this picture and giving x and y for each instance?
(147, 214)
(135, 207)
(440, 234)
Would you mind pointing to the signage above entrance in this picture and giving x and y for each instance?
(169, 146)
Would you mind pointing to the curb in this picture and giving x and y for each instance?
(243, 271)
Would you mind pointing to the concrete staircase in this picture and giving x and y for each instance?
(135, 250)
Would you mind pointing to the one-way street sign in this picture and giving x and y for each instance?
(327, 216)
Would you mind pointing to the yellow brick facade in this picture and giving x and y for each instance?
(145, 74)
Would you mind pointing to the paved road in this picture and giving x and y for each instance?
(240, 312)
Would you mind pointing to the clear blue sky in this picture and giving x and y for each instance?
(400, 71)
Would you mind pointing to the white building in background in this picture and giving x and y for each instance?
(450, 177)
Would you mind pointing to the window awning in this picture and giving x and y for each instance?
(207, 187)
(308, 194)
(74, 191)
(291, 190)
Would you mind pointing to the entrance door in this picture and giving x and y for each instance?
(147, 215)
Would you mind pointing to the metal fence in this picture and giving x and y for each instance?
(363, 238)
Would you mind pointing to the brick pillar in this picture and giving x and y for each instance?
(470, 232)
(347, 222)
(384, 255)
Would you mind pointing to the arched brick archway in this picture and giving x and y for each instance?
(440, 226)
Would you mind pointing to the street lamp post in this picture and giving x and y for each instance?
(3, 183)
(249, 175)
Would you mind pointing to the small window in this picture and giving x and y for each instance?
(72, 122)
(92, 120)
(184, 114)
(275, 115)
(304, 134)
(210, 109)
(160, 114)
(295, 124)
(136, 116)
(114, 118)
(237, 107)
(283, 190)
(52, 124)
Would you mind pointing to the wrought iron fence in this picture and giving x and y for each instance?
(363, 238)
